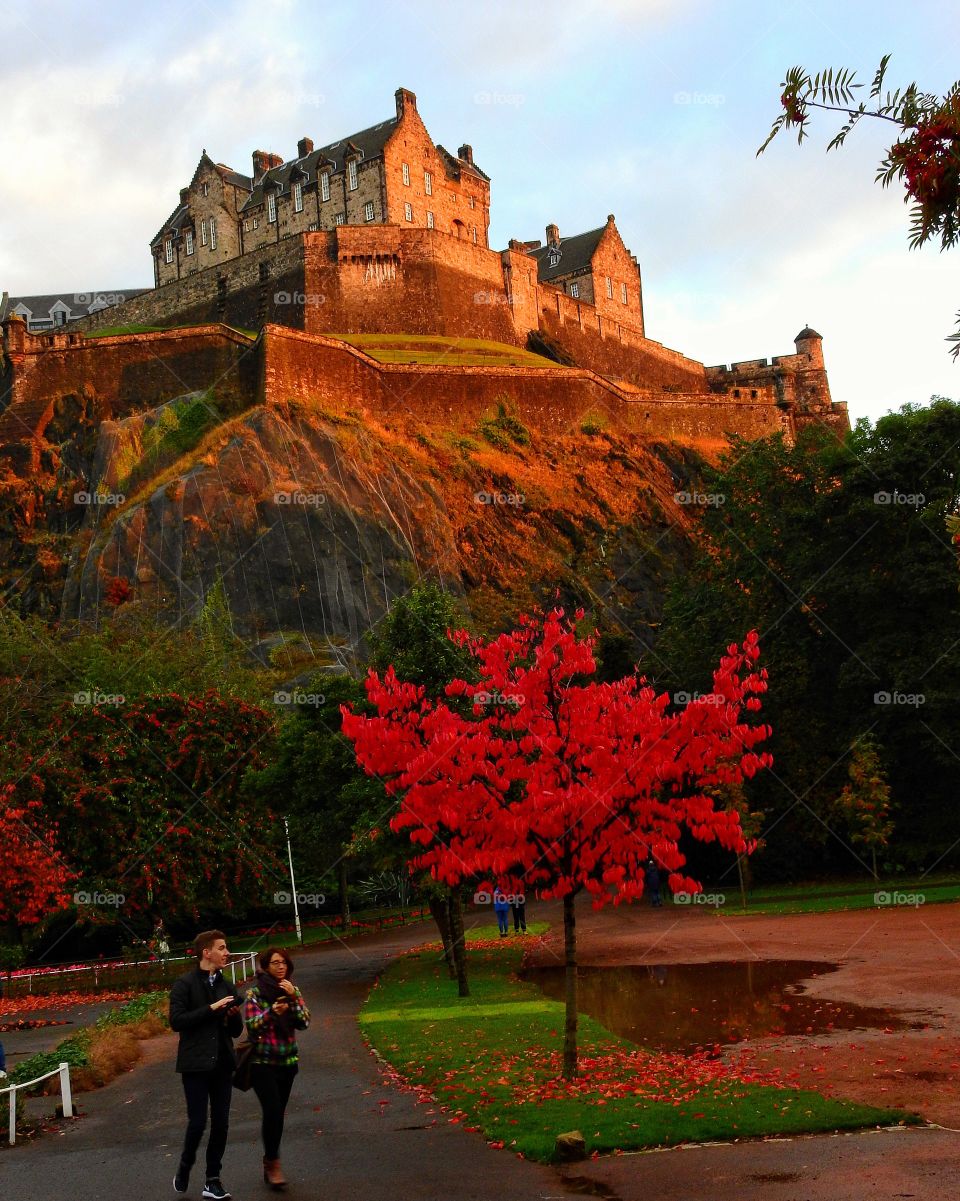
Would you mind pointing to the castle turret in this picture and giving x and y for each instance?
(809, 344)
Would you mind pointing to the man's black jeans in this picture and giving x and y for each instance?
(272, 1086)
(205, 1090)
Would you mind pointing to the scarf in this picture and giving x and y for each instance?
(269, 988)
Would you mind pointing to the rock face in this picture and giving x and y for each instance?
(316, 520)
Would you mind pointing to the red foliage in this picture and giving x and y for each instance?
(33, 877)
(118, 591)
(565, 783)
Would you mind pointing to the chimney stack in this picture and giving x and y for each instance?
(404, 101)
(304, 147)
(263, 160)
(184, 193)
(553, 235)
(466, 153)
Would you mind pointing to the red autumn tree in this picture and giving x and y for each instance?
(569, 783)
(33, 877)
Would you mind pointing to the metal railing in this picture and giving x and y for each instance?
(104, 975)
(63, 1071)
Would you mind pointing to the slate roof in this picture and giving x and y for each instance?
(575, 254)
(77, 304)
(369, 142)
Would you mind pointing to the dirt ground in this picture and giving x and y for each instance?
(904, 960)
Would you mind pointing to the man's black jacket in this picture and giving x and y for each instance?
(203, 1031)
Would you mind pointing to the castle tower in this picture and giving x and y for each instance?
(809, 345)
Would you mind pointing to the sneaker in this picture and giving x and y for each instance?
(215, 1190)
(181, 1181)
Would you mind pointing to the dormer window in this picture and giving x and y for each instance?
(298, 197)
(271, 206)
(405, 167)
(554, 259)
(189, 241)
(352, 175)
(428, 183)
(168, 251)
(59, 317)
(325, 186)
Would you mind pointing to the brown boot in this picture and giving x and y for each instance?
(273, 1174)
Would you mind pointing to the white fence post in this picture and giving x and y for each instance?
(65, 1090)
(12, 1099)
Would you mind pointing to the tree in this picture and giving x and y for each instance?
(864, 803)
(925, 158)
(33, 876)
(569, 784)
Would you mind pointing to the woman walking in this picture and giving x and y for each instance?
(273, 1013)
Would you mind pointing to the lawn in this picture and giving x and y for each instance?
(434, 349)
(493, 1061)
(829, 898)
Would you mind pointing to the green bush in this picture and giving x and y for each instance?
(505, 430)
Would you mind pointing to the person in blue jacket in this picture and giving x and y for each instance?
(501, 907)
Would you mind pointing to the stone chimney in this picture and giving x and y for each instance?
(304, 147)
(553, 235)
(466, 153)
(263, 160)
(184, 193)
(610, 220)
(404, 101)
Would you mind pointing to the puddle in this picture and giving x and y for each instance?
(678, 1007)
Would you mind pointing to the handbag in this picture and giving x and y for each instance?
(242, 1078)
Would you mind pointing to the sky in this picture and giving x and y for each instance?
(650, 109)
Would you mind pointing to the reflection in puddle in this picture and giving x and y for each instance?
(679, 1007)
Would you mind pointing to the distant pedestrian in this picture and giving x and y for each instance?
(501, 907)
(3, 1063)
(273, 1013)
(518, 904)
(652, 879)
(205, 1012)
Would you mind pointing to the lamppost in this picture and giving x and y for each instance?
(293, 883)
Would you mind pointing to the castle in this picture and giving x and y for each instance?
(385, 232)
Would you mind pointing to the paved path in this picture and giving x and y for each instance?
(351, 1136)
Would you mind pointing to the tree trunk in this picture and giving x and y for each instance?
(344, 896)
(570, 950)
(874, 853)
(743, 890)
(459, 941)
(441, 915)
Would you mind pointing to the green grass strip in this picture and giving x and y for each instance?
(493, 1059)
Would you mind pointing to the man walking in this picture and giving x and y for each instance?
(205, 1012)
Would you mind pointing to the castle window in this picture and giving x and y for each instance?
(623, 293)
(575, 291)
(189, 241)
(313, 226)
(609, 288)
(554, 259)
(474, 233)
(753, 394)
(428, 183)
(408, 211)
(406, 175)
(256, 223)
(352, 175)
(429, 219)
(168, 251)
(272, 206)
(203, 233)
(472, 202)
(59, 317)
(341, 218)
(213, 233)
(325, 186)
(298, 197)
(736, 393)
(368, 211)
(206, 189)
